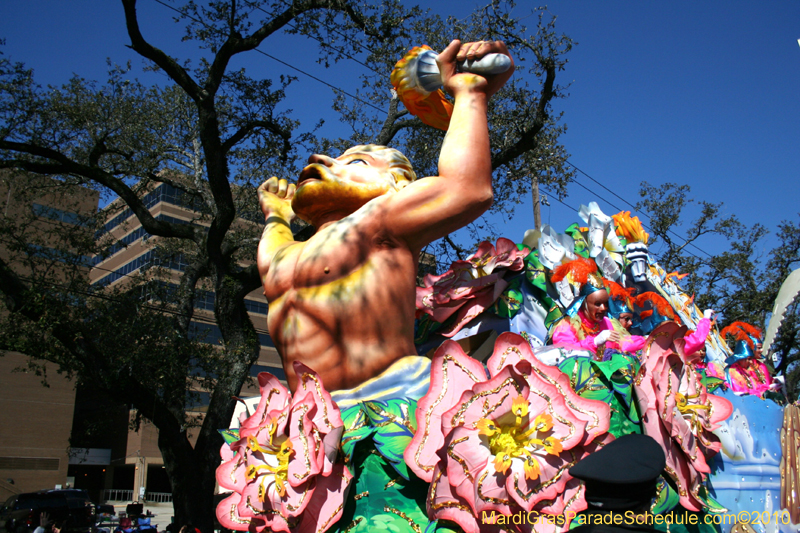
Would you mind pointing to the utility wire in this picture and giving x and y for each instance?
(383, 111)
(330, 45)
(284, 63)
(632, 206)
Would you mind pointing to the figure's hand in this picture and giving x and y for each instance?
(708, 313)
(455, 82)
(44, 520)
(275, 197)
(614, 337)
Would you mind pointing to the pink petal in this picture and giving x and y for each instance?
(231, 473)
(297, 498)
(490, 492)
(274, 396)
(509, 348)
(508, 255)
(327, 417)
(444, 504)
(262, 514)
(472, 309)
(553, 476)
(325, 508)
(466, 454)
(304, 463)
(228, 515)
(452, 372)
(570, 503)
(488, 399)
(721, 409)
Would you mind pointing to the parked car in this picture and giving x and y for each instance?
(20, 513)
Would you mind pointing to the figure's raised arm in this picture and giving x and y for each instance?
(275, 198)
(433, 207)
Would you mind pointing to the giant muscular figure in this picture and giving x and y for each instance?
(343, 301)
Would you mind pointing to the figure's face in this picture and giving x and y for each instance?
(335, 188)
(596, 305)
(626, 320)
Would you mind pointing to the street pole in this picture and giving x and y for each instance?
(537, 207)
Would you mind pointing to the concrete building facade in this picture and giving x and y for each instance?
(118, 464)
(36, 420)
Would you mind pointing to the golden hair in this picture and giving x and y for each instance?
(399, 165)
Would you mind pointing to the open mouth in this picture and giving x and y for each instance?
(310, 173)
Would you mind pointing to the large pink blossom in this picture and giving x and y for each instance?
(502, 442)
(470, 286)
(678, 411)
(283, 470)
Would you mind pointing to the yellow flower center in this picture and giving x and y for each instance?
(690, 411)
(521, 439)
(278, 450)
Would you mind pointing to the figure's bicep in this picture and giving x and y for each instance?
(433, 207)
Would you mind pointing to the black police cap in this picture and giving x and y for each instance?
(622, 474)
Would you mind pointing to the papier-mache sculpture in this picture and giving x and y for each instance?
(371, 436)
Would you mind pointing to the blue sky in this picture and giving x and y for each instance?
(702, 93)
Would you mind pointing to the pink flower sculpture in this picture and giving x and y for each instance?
(282, 470)
(678, 411)
(470, 286)
(502, 442)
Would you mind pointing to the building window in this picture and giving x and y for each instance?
(62, 256)
(210, 334)
(58, 215)
(162, 193)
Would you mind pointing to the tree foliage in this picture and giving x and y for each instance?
(213, 133)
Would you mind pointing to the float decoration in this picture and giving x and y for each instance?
(418, 82)
(790, 462)
(729, 473)
(504, 441)
(536, 274)
(432, 108)
(636, 251)
(390, 424)
(679, 413)
(500, 437)
(380, 498)
(470, 286)
(610, 382)
(747, 373)
(283, 470)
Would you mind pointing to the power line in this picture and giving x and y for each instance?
(331, 46)
(322, 81)
(354, 97)
(632, 206)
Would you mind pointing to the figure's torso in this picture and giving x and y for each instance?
(343, 301)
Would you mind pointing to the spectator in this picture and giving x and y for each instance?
(48, 526)
(189, 528)
(125, 525)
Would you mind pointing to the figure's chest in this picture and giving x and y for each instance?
(340, 254)
(332, 254)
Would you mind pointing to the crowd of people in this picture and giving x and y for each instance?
(601, 318)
